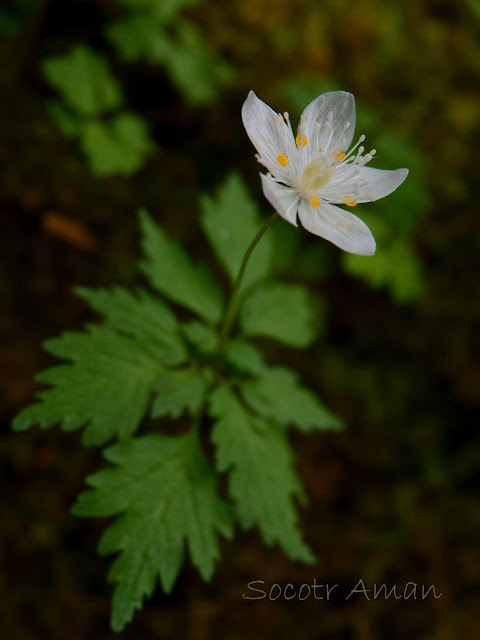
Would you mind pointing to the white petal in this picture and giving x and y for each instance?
(362, 184)
(283, 199)
(328, 133)
(340, 227)
(270, 135)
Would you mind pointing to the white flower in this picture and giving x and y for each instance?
(310, 173)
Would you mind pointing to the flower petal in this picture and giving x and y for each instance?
(270, 135)
(328, 132)
(340, 227)
(362, 184)
(283, 199)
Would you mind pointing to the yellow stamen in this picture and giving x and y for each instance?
(301, 140)
(350, 201)
(338, 155)
(282, 160)
(314, 201)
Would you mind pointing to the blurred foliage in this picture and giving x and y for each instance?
(13, 18)
(119, 142)
(114, 140)
(394, 498)
(148, 36)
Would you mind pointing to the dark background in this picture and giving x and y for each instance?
(394, 497)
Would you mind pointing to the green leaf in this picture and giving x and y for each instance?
(120, 145)
(283, 312)
(231, 221)
(165, 492)
(394, 266)
(170, 270)
(146, 318)
(65, 119)
(277, 394)
(179, 391)
(245, 357)
(201, 336)
(262, 479)
(85, 81)
(107, 387)
(193, 67)
(137, 36)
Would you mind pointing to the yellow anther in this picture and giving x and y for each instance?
(301, 140)
(338, 155)
(314, 201)
(350, 201)
(282, 160)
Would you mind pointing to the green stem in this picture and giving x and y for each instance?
(232, 308)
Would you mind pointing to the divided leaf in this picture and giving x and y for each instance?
(85, 81)
(170, 270)
(283, 312)
(262, 478)
(179, 391)
(277, 395)
(106, 387)
(165, 492)
(146, 318)
(231, 221)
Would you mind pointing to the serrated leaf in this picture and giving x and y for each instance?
(146, 318)
(120, 145)
(107, 387)
(231, 221)
(85, 81)
(262, 479)
(245, 357)
(166, 494)
(278, 395)
(170, 270)
(178, 391)
(284, 312)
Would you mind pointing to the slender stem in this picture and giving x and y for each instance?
(232, 308)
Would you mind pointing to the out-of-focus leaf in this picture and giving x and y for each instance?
(66, 120)
(138, 36)
(394, 265)
(194, 69)
(85, 81)
(120, 145)
(163, 11)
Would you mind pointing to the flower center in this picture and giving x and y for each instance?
(315, 175)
